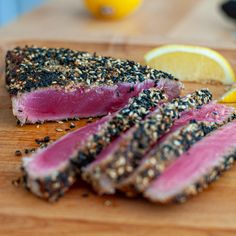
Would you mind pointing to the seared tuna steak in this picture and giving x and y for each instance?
(121, 157)
(51, 171)
(196, 168)
(179, 139)
(53, 84)
(48, 173)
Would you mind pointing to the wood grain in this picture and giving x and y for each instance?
(212, 213)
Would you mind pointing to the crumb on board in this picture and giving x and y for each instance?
(16, 182)
(59, 130)
(29, 150)
(108, 203)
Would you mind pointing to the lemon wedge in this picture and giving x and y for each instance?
(191, 63)
(229, 96)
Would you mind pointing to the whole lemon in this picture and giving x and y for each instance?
(112, 9)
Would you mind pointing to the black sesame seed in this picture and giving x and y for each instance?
(31, 67)
(148, 131)
(131, 89)
(27, 151)
(38, 141)
(18, 153)
(192, 121)
(32, 149)
(46, 139)
(117, 93)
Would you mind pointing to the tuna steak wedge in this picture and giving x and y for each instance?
(122, 157)
(51, 171)
(52, 84)
(179, 139)
(196, 168)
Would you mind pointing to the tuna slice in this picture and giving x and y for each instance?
(50, 172)
(179, 139)
(121, 157)
(53, 84)
(196, 168)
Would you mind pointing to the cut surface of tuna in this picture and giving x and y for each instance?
(122, 157)
(51, 160)
(50, 171)
(197, 167)
(53, 84)
(179, 139)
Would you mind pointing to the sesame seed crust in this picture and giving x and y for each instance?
(126, 118)
(122, 162)
(203, 182)
(164, 154)
(30, 68)
(54, 186)
(51, 187)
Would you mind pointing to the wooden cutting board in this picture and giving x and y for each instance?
(21, 213)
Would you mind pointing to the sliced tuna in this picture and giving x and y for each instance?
(123, 156)
(53, 84)
(179, 139)
(48, 173)
(51, 171)
(196, 168)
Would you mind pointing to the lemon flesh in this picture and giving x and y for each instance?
(191, 63)
(229, 97)
(111, 9)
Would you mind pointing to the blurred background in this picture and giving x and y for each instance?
(12, 9)
(154, 21)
